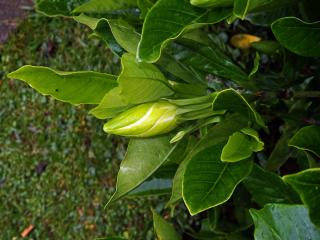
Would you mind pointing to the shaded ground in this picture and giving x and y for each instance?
(11, 12)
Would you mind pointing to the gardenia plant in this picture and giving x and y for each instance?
(236, 126)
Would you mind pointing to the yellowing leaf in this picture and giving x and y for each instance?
(243, 40)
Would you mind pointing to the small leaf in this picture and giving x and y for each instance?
(138, 83)
(98, 6)
(285, 222)
(267, 187)
(267, 47)
(155, 186)
(208, 182)
(74, 87)
(163, 229)
(143, 158)
(307, 139)
(298, 36)
(212, 60)
(167, 20)
(241, 145)
(307, 184)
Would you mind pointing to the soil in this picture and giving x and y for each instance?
(11, 12)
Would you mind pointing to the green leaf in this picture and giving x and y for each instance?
(138, 83)
(54, 8)
(74, 87)
(243, 7)
(267, 187)
(167, 20)
(307, 184)
(307, 139)
(208, 182)
(256, 64)
(212, 3)
(98, 6)
(267, 47)
(216, 135)
(101, 30)
(125, 34)
(231, 100)
(143, 158)
(285, 222)
(163, 229)
(298, 36)
(280, 153)
(144, 6)
(160, 183)
(212, 60)
(241, 145)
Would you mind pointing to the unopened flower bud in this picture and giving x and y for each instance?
(145, 120)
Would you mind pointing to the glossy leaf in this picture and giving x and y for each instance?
(208, 182)
(216, 135)
(212, 3)
(54, 8)
(241, 145)
(98, 6)
(117, 33)
(143, 158)
(74, 87)
(267, 187)
(101, 30)
(231, 100)
(167, 20)
(212, 60)
(138, 83)
(307, 184)
(144, 6)
(155, 186)
(307, 139)
(163, 229)
(298, 36)
(243, 7)
(285, 222)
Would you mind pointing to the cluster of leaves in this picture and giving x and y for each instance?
(241, 143)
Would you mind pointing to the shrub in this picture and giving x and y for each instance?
(230, 131)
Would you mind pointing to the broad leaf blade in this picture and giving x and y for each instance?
(307, 184)
(308, 139)
(208, 182)
(243, 7)
(298, 36)
(101, 30)
(55, 8)
(230, 99)
(73, 87)
(167, 20)
(267, 187)
(143, 158)
(212, 60)
(285, 222)
(98, 6)
(163, 229)
(138, 83)
(216, 135)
